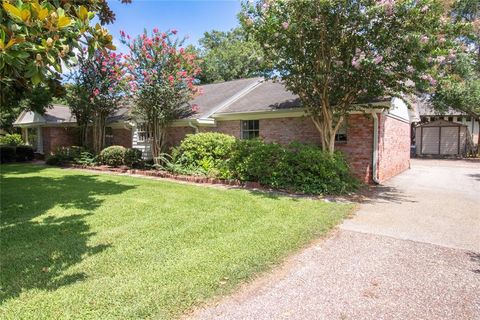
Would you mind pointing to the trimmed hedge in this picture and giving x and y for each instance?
(19, 153)
(112, 156)
(207, 151)
(24, 153)
(296, 167)
(7, 153)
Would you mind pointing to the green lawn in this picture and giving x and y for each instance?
(82, 245)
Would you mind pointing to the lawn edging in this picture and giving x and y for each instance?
(168, 175)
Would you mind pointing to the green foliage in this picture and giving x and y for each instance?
(14, 139)
(113, 156)
(132, 157)
(7, 153)
(63, 155)
(86, 158)
(297, 167)
(24, 153)
(337, 54)
(229, 55)
(208, 151)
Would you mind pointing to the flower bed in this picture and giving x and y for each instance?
(168, 175)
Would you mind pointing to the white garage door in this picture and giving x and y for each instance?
(430, 140)
(449, 140)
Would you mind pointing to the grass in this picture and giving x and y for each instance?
(81, 245)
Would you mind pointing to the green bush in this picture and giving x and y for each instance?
(132, 157)
(297, 167)
(63, 155)
(113, 156)
(86, 158)
(12, 139)
(255, 160)
(208, 151)
(24, 153)
(7, 153)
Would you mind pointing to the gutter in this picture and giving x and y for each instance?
(375, 149)
(190, 124)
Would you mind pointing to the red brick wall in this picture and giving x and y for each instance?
(122, 137)
(394, 147)
(228, 127)
(54, 137)
(394, 140)
(175, 135)
(359, 146)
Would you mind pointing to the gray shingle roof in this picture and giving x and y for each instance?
(268, 96)
(217, 93)
(425, 108)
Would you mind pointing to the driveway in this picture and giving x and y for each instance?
(411, 252)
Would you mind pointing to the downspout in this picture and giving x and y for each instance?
(190, 124)
(375, 148)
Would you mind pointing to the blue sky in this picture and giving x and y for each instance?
(191, 18)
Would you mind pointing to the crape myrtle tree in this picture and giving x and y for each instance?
(163, 81)
(337, 55)
(96, 91)
(459, 74)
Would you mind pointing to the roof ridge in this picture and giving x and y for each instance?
(234, 98)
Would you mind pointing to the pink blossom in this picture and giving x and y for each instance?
(409, 83)
(424, 9)
(195, 107)
(424, 39)
(285, 25)
(174, 31)
(122, 33)
(96, 92)
(155, 30)
(378, 59)
(410, 69)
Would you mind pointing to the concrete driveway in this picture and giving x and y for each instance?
(411, 252)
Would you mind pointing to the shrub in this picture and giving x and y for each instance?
(112, 156)
(7, 153)
(12, 139)
(86, 158)
(208, 151)
(297, 167)
(24, 153)
(255, 160)
(132, 157)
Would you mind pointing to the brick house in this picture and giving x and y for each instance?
(376, 141)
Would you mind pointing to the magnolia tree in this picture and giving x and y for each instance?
(96, 92)
(163, 81)
(339, 55)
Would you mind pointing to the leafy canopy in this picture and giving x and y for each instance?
(229, 55)
(335, 54)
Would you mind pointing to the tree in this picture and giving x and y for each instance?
(459, 84)
(163, 81)
(37, 38)
(97, 90)
(229, 55)
(336, 55)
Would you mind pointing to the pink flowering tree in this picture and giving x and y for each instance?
(340, 55)
(162, 81)
(96, 91)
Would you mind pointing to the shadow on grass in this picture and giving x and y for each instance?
(35, 253)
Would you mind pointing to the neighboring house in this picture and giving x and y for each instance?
(376, 142)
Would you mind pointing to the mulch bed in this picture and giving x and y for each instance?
(168, 175)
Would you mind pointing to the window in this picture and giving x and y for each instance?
(108, 136)
(450, 119)
(142, 132)
(341, 135)
(250, 129)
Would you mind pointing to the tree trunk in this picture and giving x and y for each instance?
(158, 139)
(478, 138)
(99, 132)
(327, 129)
